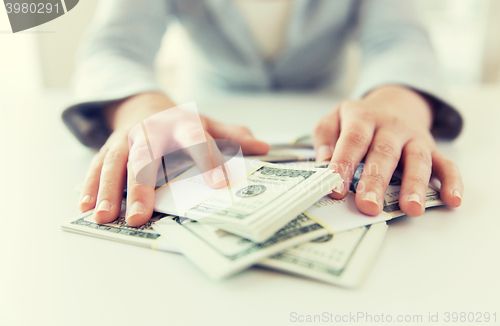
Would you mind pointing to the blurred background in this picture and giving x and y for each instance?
(465, 34)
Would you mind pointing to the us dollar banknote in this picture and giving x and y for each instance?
(254, 207)
(342, 259)
(343, 215)
(391, 199)
(220, 254)
(120, 231)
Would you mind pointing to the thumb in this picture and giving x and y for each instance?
(326, 134)
(203, 150)
(249, 144)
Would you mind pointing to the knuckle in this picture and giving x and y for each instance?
(194, 136)
(420, 154)
(345, 167)
(137, 188)
(140, 153)
(108, 186)
(322, 128)
(319, 128)
(387, 150)
(357, 138)
(236, 130)
(242, 129)
(91, 180)
(378, 180)
(134, 185)
(114, 155)
(418, 181)
(345, 162)
(368, 115)
(396, 121)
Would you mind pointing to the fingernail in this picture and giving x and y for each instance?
(324, 153)
(456, 194)
(339, 188)
(415, 198)
(85, 199)
(136, 208)
(218, 175)
(371, 197)
(104, 206)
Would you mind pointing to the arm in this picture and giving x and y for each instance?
(115, 61)
(397, 108)
(396, 49)
(116, 90)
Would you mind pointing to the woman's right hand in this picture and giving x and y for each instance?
(123, 152)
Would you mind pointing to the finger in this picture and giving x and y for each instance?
(417, 170)
(355, 137)
(326, 134)
(217, 174)
(140, 199)
(381, 161)
(249, 144)
(202, 148)
(91, 184)
(111, 183)
(452, 187)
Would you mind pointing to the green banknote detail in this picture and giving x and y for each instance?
(120, 226)
(300, 225)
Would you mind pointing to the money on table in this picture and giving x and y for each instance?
(261, 199)
(343, 215)
(330, 241)
(221, 254)
(120, 231)
(343, 259)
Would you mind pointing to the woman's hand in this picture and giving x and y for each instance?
(115, 162)
(391, 125)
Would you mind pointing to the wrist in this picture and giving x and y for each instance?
(415, 104)
(126, 113)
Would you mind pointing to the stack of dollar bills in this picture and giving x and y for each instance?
(264, 199)
(328, 240)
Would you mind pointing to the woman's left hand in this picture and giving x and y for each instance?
(390, 125)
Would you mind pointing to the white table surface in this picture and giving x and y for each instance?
(445, 261)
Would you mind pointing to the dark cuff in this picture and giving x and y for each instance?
(448, 122)
(86, 122)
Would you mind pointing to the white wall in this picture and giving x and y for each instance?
(19, 61)
(458, 31)
(57, 49)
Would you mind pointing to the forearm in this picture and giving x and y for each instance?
(130, 111)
